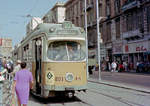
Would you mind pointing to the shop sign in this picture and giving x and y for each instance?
(136, 47)
(141, 48)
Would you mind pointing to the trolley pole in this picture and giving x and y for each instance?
(98, 39)
(86, 39)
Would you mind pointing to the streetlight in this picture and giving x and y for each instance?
(86, 38)
(98, 38)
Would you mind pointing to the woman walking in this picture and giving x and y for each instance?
(22, 83)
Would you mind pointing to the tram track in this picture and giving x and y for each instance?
(119, 99)
(61, 101)
(86, 99)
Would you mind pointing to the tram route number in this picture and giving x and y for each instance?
(63, 78)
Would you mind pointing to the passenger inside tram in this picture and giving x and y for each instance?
(65, 51)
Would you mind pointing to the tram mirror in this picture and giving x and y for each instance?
(38, 42)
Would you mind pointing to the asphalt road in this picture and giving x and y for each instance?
(97, 95)
(135, 79)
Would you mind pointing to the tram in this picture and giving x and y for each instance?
(56, 56)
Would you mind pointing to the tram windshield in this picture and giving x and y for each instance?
(65, 51)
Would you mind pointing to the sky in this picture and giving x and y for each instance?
(13, 14)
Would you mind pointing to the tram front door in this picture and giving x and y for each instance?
(38, 55)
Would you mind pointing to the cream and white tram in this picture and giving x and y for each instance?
(56, 55)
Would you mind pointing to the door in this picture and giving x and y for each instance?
(38, 60)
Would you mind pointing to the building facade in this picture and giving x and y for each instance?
(125, 28)
(136, 33)
(5, 47)
(75, 12)
(56, 14)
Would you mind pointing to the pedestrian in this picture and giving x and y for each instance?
(17, 67)
(113, 66)
(4, 62)
(9, 65)
(23, 81)
(109, 66)
(125, 65)
(121, 67)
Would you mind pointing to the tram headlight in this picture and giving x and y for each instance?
(51, 29)
(69, 77)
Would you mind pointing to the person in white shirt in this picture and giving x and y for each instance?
(114, 66)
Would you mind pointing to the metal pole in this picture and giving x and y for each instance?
(86, 39)
(98, 38)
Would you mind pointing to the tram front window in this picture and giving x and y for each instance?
(65, 51)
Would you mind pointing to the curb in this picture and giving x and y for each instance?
(125, 86)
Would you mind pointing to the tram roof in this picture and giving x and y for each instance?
(66, 29)
(51, 29)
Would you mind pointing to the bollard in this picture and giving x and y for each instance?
(1, 93)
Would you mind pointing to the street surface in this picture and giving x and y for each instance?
(134, 79)
(97, 95)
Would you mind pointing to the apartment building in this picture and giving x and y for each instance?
(136, 31)
(5, 47)
(56, 14)
(75, 12)
(125, 30)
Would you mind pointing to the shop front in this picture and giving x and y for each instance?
(137, 52)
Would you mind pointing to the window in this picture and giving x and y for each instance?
(101, 31)
(129, 22)
(108, 8)
(140, 20)
(118, 28)
(148, 19)
(108, 32)
(100, 9)
(65, 51)
(117, 6)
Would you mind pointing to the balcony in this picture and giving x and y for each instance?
(130, 5)
(132, 34)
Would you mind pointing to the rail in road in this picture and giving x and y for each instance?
(125, 96)
(97, 95)
(58, 101)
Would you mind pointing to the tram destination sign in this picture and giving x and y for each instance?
(70, 32)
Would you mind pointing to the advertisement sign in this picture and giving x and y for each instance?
(136, 47)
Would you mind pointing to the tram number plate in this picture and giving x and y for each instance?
(69, 88)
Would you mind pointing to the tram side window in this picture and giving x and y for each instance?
(65, 51)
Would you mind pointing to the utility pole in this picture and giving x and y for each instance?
(98, 38)
(85, 13)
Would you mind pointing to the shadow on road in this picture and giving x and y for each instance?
(53, 100)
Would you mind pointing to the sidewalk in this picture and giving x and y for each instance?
(133, 81)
